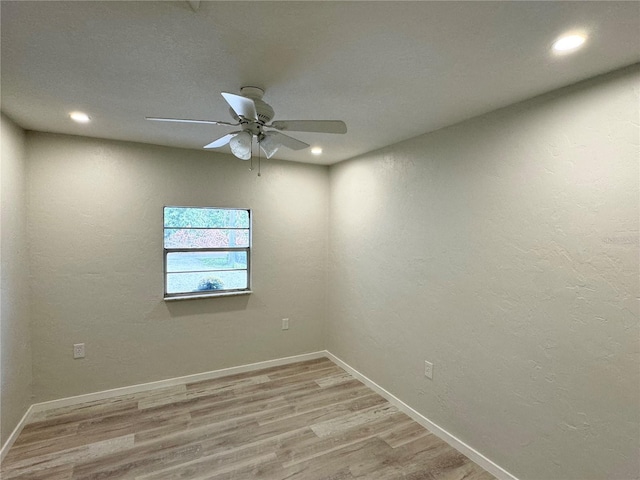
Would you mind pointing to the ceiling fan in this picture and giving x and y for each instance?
(253, 115)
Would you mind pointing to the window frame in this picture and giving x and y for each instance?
(207, 293)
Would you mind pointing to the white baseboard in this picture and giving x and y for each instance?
(170, 382)
(16, 431)
(440, 432)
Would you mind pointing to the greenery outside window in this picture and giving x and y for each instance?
(206, 251)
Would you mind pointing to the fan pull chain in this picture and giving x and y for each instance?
(251, 160)
(258, 159)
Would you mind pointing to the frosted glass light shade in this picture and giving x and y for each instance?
(241, 145)
(269, 145)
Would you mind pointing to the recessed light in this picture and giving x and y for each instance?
(79, 117)
(316, 150)
(569, 43)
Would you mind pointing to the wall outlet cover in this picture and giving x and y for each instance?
(428, 370)
(78, 350)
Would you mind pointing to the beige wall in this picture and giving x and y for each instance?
(15, 341)
(505, 251)
(96, 263)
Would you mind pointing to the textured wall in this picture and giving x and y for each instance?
(96, 276)
(15, 341)
(504, 250)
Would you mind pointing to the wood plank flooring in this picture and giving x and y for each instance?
(308, 420)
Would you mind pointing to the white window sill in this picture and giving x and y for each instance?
(208, 295)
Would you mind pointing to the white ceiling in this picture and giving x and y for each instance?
(390, 70)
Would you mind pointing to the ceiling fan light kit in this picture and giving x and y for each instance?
(269, 145)
(253, 115)
(241, 145)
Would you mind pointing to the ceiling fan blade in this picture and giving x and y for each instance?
(319, 126)
(222, 141)
(243, 106)
(188, 120)
(287, 141)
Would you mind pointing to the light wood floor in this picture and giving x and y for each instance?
(309, 420)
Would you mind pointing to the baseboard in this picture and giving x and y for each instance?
(170, 382)
(14, 435)
(440, 432)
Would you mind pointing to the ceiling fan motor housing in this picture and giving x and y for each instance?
(263, 110)
(264, 113)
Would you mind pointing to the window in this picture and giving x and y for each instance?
(206, 251)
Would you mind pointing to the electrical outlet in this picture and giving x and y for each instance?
(428, 370)
(78, 350)
(285, 324)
